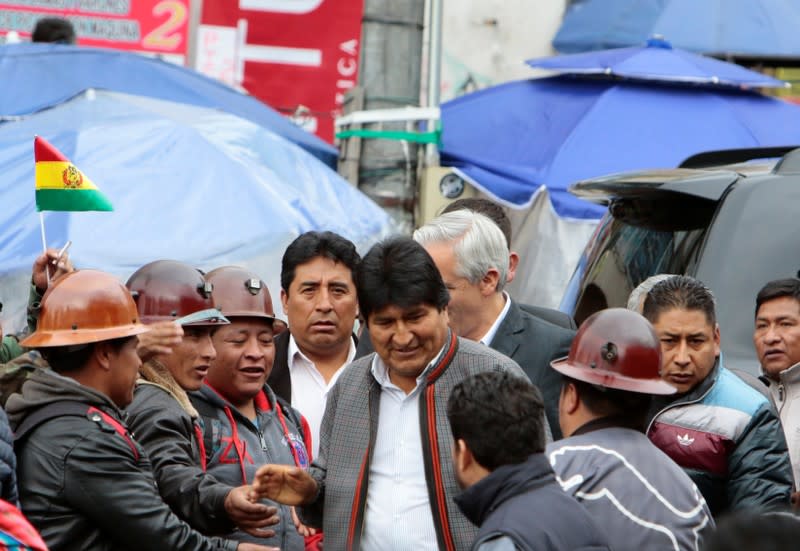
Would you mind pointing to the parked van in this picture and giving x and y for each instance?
(729, 221)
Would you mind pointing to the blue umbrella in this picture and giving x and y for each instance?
(657, 61)
(745, 27)
(186, 182)
(38, 76)
(512, 139)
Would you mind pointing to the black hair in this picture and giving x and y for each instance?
(68, 359)
(684, 292)
(778, 288)
(399, 271)
(313, 244)
(54, 29)
(745, 531)
(489, 209)
(499, 416)
(633, 407)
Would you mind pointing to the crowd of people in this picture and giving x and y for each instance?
(405, 402)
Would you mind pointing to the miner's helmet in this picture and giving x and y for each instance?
(240, 293)
(85, 306)
(618, 349)
(168, 290)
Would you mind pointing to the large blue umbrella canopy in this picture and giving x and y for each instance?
(188, 183)
(37, 76)
(511, 140)
(657, 61)
(745, 27)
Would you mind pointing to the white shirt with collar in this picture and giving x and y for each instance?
(309, 389)
(489, 336)
(398, 513)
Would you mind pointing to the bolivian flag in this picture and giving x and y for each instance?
(60, 185)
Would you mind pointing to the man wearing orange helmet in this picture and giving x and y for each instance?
(245, 424)
(174, 300)
(636, 493)
(84, 481)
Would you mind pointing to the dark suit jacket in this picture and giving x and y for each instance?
(533, 343)
(556, 317)
(279, 379)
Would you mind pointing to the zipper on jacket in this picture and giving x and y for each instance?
(677, 404)
(261, 440)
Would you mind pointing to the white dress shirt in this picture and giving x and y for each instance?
(309, 389)
(398, 514)
(489, 336)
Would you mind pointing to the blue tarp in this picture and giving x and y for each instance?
(37, 76)
(514, 138)
(187, 183)
(747, 27)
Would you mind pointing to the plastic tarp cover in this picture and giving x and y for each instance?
(187, 183)
(44, 75)
(746, 27)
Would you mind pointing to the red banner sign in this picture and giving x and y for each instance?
(155, 26)
(298, 56)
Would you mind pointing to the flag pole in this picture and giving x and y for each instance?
(44, 245)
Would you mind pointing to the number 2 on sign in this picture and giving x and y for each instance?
(162, 37)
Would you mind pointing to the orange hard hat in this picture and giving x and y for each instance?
(616, 348)
(172, 290)
(239, 293)
(82, 307)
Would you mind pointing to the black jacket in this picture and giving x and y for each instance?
(85, 484)
(280, 380)
(171, 439)
(524, 503)
(8, 462)
(533, 343)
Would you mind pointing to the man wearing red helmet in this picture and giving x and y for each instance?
(174, 300)
(245, 424)
(85, 483)
(636, 493)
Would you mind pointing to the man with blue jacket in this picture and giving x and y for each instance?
(724, 433)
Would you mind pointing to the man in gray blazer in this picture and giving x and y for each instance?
(472, 256)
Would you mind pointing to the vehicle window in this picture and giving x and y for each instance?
(627, 250)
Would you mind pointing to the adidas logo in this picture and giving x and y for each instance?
(685, 440)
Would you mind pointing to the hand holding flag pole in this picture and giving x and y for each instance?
(60, 186)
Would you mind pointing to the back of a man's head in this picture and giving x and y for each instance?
(499, 416)
(54, 29)
(313, 244)
(478, 244)
(489, 209)
(399, 272)
(679, 292)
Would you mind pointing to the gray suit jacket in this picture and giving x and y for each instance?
(533, 344)
(347, 438)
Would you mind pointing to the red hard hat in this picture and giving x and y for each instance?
(240, 293)
(616, 348)
(170, 290)
(82, 307)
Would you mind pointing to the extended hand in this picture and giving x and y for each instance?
(284, 484)
(162, 337)
(48, 262)
(250, 517)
